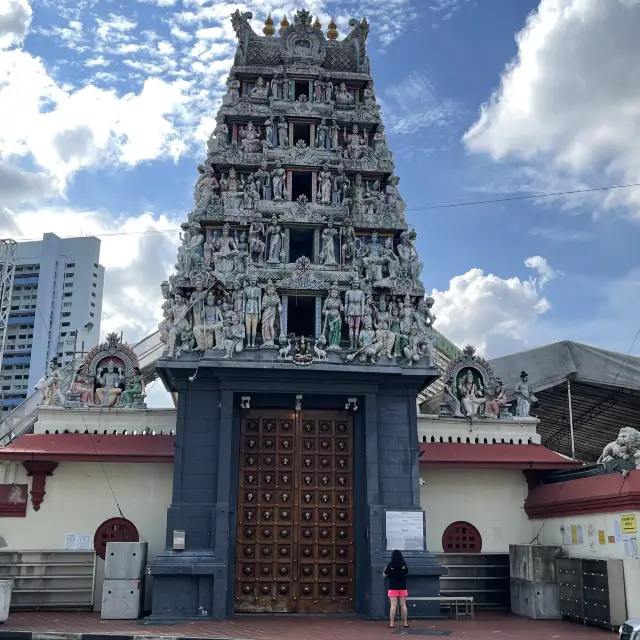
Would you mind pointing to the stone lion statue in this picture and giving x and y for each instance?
(625, 446)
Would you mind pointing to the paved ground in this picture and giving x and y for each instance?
(485, 626)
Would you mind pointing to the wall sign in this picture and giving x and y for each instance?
(628, 522)
(405, 530)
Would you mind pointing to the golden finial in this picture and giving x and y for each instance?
(332, 30)
(316, 24)
(283, 25)
(268, 27)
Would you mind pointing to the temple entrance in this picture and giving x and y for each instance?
(295, 539)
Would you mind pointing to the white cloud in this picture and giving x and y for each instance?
(15, 18)
(540, 264)
(558, 234)
(570, 101)
(494, 314)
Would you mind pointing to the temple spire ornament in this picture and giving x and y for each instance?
(268, 30)
(316, 24)
(284, 23)
(332, 30)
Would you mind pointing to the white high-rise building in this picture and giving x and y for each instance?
(56, 306)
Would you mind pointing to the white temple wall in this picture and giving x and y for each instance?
(551, 534)
(78, 500)
(492, 500)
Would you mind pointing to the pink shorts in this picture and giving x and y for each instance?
(397, 593)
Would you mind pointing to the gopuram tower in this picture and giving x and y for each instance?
(298, 337)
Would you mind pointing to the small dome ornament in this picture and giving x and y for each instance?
(268, 30)
(316, 24)
(332, 30)
(284, 23)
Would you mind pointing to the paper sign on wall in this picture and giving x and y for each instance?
(580, 535)
(601, 536)
(630, 547)
(574, 534)
(628, 523)
(617, 530)
(405, 530)
(71, 541)
(85, 542)
(566, 535)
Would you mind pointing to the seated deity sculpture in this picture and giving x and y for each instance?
(260, 90)
(472, 396)
(250, 139)
(234, 335)
(136, 392)
(110, 385)
(343, 97)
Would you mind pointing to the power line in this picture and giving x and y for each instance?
(450, 205)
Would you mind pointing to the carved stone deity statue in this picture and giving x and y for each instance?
(268, 128)
(327, 255)
(331, 311)
(335, 136)
(524, 396)
(408, 256)
(197, 301)
(380, 142)
(233, 89)
(324, 185)
(355, 143)
(205, 188)
(497, 399)
(257, 244)
(322, 133)
(343, 96)
(260, 90)
(317, 90)
(327, 88)
(250, 138)
(283, 133)
(472, 396)
(341, 185)
(251, 195)
(271, 311)
(165, 325)
(226, 251)
(189, 254)
(229, 183)
(219, 138)
(234, 335)
(110, 384)
(626, 447)
(348, 237)
(394, 199)
(278, 176)
(354, 302)
(137, 390)
(240, 261)
(450, 399)
(369, 96)
(178, 315)
(210, 326)
(252, 310)
(412, 351)
(276, 87)
(286, 87)
(263, 179)
(275, 236)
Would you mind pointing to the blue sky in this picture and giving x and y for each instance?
(105, 107)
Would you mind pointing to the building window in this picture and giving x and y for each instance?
(68, 295)
(66, 314)
(114, 530)
(68, 275)
(65, 324)
(93, 304)
(68, 285)
(92, 314)
(71, 265)
(67, 304)
(93, 295)
(95, 285)
(95, 275)
(461, 537)
(95, 265)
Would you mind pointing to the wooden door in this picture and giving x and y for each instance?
(295, 542)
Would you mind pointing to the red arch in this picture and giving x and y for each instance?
(461, 537)
(114, 530)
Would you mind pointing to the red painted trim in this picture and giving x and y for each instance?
(82, 447)
(597, 494)
(39, 471)
(464, 455)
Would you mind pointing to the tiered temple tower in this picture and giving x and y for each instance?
(298, 337)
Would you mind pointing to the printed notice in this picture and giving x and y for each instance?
(71, 541)
(617, 530)
(566, 535)
(405, 530)
(574, 534)
(628, 523)
(85, 542)
(601, 536)
(580, 534)
(630, 547)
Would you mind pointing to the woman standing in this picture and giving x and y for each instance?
(397, 572)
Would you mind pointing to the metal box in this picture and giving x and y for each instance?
(122, 599)
(535, 600)
(535, 563)
(125, 560)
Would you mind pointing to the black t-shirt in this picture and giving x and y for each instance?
(397, 577)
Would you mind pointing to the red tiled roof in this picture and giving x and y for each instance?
(82, 447)
(462, 455)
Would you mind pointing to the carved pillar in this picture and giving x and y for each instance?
(285, 308)
(316, 245)
(289, 183)
(318, 316)
(312, 135)
(314, 186)
(234, 132)
(287, 244)
(366, 137)
(292, 142)
(39, 470)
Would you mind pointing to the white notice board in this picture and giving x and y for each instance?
(405, 530)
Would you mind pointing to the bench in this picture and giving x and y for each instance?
(467, 601)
